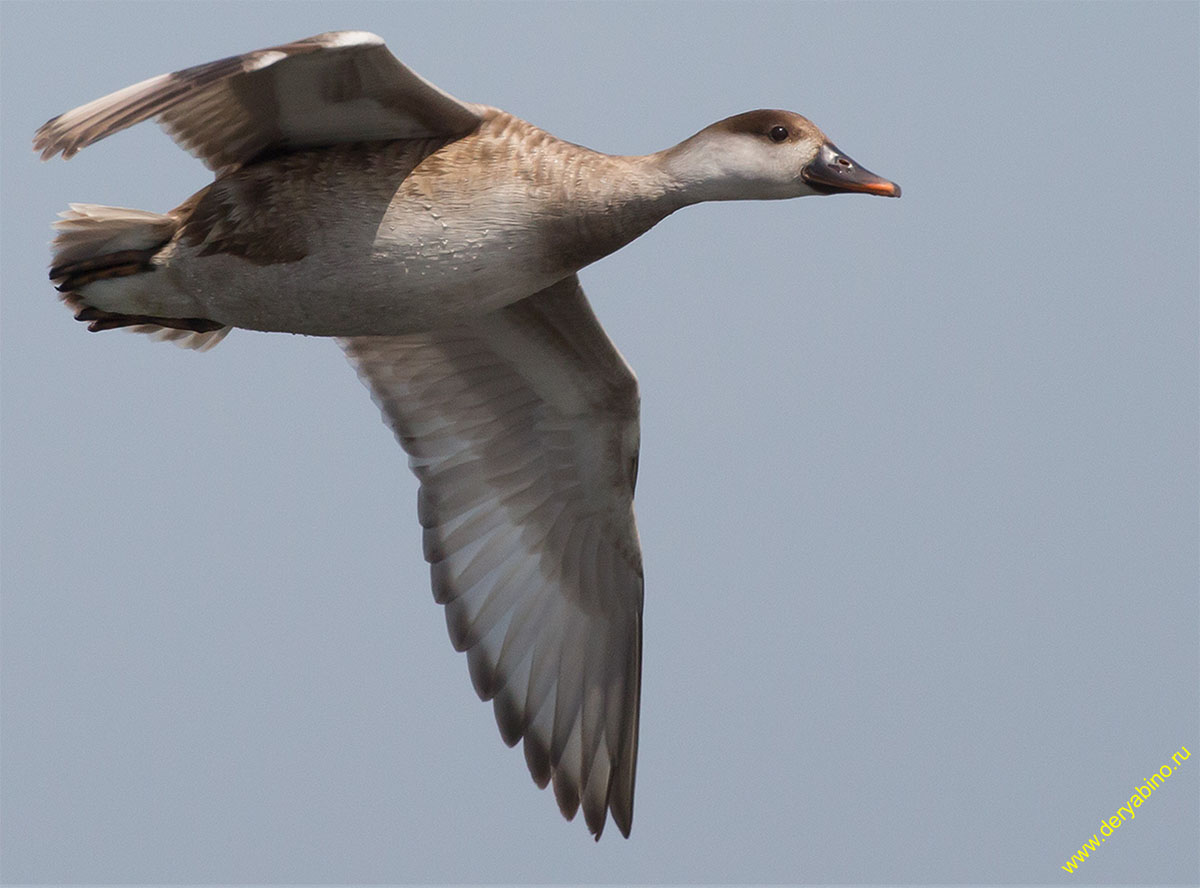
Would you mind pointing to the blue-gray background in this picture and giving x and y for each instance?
(918, 489)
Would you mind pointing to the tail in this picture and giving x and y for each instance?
(96, 243)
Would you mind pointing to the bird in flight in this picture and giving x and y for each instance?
(438, 241)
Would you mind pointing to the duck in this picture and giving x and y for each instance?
(439, 242)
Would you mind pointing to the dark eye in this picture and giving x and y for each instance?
(778, 133)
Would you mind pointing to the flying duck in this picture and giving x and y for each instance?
(438, 241)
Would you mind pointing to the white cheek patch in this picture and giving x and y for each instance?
(741, 166)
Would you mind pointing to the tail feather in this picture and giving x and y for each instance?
(96, 243)
(88, 233)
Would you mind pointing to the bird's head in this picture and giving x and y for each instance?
(766, 155)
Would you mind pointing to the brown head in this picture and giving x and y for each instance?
(766, 155)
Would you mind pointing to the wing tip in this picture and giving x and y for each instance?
(622, 816)
(335, 39)
(510, 717)
(47, 143)
(537, 759)
(566, 792)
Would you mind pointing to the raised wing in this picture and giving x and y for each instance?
(523, 430)
(342, 86)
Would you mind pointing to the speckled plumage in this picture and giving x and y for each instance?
(403, 236)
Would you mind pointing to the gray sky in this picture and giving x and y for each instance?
(918, 487)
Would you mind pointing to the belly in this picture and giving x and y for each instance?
(387, 291)
(409, 273)
(361, 240)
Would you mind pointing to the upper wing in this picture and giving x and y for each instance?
(523, 430)
(343, 86)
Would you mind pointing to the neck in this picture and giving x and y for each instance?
(612, 200)
(694, 171)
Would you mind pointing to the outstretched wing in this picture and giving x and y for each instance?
(343, 86)
(523, 430)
